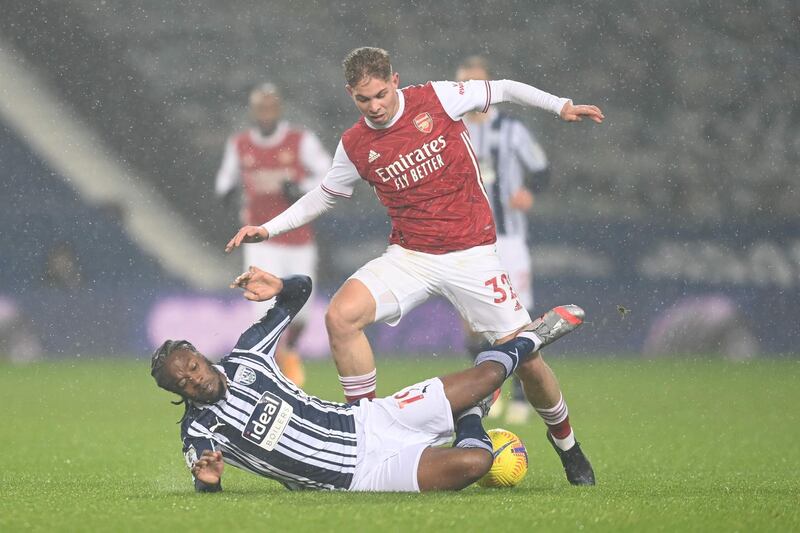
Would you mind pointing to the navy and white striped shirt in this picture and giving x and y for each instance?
(508, 153)
(265, 424)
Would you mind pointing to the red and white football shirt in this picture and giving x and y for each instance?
(263, 164)
(422, 167)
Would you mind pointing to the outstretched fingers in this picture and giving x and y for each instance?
(591, 111)
(236, 240)
(247, 234)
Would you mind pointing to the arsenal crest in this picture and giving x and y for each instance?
(424, 122)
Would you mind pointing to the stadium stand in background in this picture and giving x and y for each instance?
(702, 118)
(699, 152)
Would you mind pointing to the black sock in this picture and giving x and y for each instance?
(508, 354)
(470, 433)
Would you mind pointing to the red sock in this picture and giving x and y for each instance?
(557, 419)
(560, 430)
(353, 399)
(357, 387)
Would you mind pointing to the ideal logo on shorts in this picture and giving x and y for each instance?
(268, 421)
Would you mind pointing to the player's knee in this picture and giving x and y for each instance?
(344, 318)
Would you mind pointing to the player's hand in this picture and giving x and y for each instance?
(258, 285)
(575, 113)
(208, 468)
(247, 234)
(522, 200)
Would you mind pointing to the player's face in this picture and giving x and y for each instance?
(266, 110)
(471, 73)
(377, 99)
(194, 377)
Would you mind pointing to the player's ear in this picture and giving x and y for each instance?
(348, 89)
(396, 79)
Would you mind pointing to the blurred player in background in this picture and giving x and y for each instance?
(274, 164)
(512, 163)
(414, 150)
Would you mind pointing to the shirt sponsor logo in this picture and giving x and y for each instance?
(415, 165)
(268, 421)
(244, 375)
(424, 122)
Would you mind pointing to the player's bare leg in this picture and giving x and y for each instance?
(539, 383)
(468, 393)
(544, 394)
(351, 310)
(452, 468)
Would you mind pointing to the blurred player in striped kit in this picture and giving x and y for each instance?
(273, 164)
(512, 163)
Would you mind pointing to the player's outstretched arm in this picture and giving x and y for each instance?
(207, 470)
(529, 96)
(247, 234)
(310, 206)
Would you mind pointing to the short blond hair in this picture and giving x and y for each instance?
(366, 62)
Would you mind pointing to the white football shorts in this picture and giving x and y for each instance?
(282, 260)
(472, 280)
(394, 431)
(515, 256)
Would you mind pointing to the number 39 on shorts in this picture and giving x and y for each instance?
(501, 286)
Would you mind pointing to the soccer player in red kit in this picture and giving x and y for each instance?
(414, 150)
(274, 164)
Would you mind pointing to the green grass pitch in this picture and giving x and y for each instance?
(678, 445)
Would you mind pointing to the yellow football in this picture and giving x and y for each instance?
(510, 460)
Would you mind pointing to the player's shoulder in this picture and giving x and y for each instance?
(415, 94)
(297, 130)
(358, 127)
(356, 134)
(420, 88)
(191, 413)
(240, 136)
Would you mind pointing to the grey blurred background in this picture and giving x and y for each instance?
(114, 116)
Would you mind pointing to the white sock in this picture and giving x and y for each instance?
(537, 342)
(565, 443)
(359, 385)
(474, 410)
(556, 414)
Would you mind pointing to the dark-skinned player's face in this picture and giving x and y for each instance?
(376, 99)
(193, 376)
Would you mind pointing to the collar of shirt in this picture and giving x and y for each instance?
(400, 108)
(271, 140)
